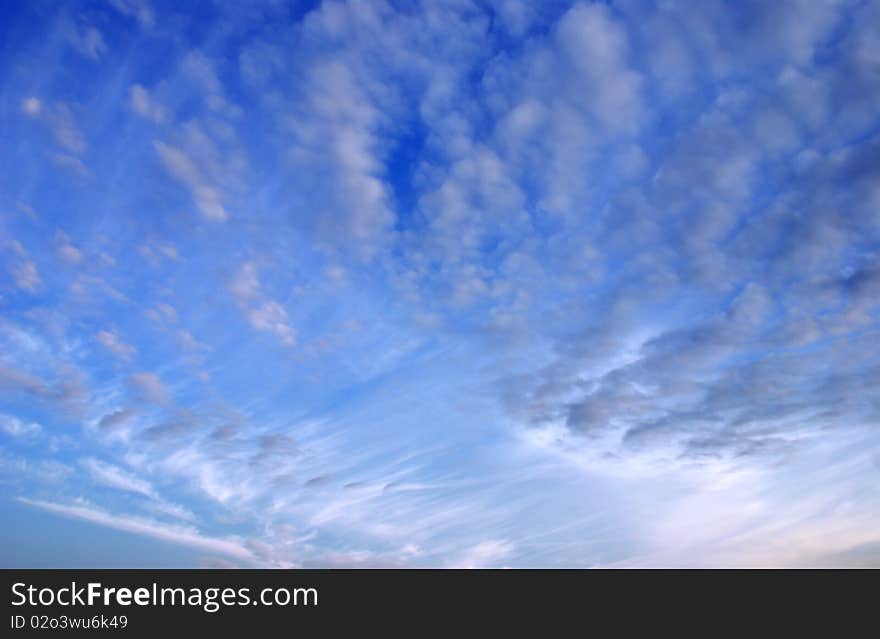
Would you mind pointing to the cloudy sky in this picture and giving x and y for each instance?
(453, 283)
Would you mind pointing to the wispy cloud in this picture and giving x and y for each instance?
(115, 477)
(14, 427)
(264, 314)
(150, 387)
(113, 343)
(181, 167)
(146, 105)
(184, 536)
(26, 275)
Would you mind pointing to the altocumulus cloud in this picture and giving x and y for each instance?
(463, 283)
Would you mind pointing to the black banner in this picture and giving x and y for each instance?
(415, 602)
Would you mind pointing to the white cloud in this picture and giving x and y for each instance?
(138, 9)
(336, 146)
(485, 554)
(66, 250)
(113, 343)
(87, 288)
(70, 254)
(150, 387)
(157, 252)
(37, 471)
(270, 316)
(15, 427)
(116, 419)
(516, 15)
(198, 67)
(31, 106)
(176, 511)
(116, 477)
(65, 129)
(180, 535)
(245, 285)
(264, 314)
(145, 105)
(27, 209)
(86, 39)
(26, 276)
(596, 47)
(181, 167)
(71, 163)
(163, 312)
(749, 517)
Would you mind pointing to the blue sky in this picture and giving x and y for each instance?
(490, 283)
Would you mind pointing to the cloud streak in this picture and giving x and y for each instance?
(183, 536)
